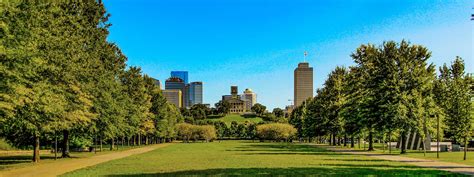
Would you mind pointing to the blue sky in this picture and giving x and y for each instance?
(257, 44)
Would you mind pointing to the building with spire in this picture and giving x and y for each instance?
(303, 82)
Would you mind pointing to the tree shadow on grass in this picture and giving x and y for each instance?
(315, 171)
(17, 159)
(284, 149)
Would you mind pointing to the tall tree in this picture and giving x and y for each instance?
(455, 88)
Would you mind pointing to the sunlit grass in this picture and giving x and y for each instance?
(249, 159)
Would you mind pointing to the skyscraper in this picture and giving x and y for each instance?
(303, 83)
(180, 74)
(176, 83)
(174, 97)
(195, 93)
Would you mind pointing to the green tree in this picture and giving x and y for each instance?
(455, 90)
(335, 99)
(223, 107)
(278, 112)
(199, 111)
(259, 109)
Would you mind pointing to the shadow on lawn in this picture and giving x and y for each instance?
(17, 159)
(284, 149)
(316, 171)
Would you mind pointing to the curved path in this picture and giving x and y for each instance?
(58, 168)
(434, 164)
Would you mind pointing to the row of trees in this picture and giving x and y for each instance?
(60, 75)
(391, 91)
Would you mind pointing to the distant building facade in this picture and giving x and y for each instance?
(195, 93)
(303, 83)
(240, 104)
(176, 83)
(250, 98)
(180, 74)
(157, 83)
(173, 96)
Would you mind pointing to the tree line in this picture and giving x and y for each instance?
(61, 77)
(390, 91)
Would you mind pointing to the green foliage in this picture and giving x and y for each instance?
(222, 107)
(259, 109)
(454, 94)
(199, 111)
(188, 131)
(278, 112)
(58, 73)
(276, 131)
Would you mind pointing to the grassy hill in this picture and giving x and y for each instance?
(238, 118)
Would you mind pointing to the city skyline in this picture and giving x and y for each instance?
(215, 41)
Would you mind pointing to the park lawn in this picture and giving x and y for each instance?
(22, 158)
(455, 157)
(249, 158)
(238, 118)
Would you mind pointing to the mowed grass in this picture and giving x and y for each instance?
(248, 158)
(455, 157)
(22, 158)
(235, 117)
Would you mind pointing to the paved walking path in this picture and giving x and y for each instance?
(439, 165)
(61, 167)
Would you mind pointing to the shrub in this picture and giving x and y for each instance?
(276, 131)
(197, 132)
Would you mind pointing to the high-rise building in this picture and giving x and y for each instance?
(157, 83)
(303, 83)
(173, 96)
(195, 93)
(250, 98)
(180, 74)
(176, 83)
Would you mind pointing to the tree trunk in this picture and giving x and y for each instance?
(403, 145)
(146, 140)
(358, 141)
(36, 150)
(112, 142)
(345, 140)
(437, 137)
(139, 139)
(334, 139)
(390, 142)
(65, 150)
(330, 140)
(100, 142)
(371, 141)
(352, 141)
(465, 148)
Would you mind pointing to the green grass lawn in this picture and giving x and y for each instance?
(247, 158)
(456, 157)
(23, 158)
(235, 117)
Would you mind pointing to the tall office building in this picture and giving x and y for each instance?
(180, 74)
(173, 96)
(303, 83)
(195, 93)
(250, 98)
(176, 83)
(157, 83)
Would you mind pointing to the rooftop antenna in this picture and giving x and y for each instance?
(305, 53)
